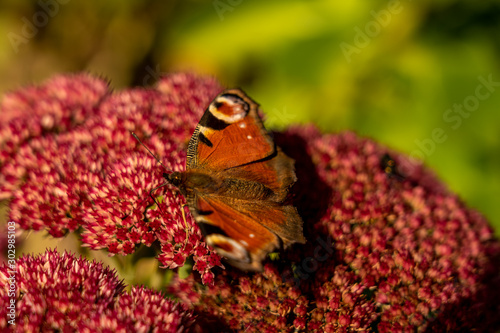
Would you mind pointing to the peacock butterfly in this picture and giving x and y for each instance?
(236, 182)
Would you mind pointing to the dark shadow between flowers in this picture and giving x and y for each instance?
(207, 323)
(312, 197)
(309, 194)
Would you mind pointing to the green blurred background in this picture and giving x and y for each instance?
(389, 70)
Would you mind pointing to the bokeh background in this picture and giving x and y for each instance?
(392, 70)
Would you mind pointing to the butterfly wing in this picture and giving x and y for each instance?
(229, 134)
(245, 231)
(276, 173)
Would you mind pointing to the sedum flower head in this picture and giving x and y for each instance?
(59, 292)
(385, 252)
(69, 162)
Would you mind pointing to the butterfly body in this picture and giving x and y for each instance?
(236, 182)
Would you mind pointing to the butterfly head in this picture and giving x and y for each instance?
(189, 181)
(174, 178)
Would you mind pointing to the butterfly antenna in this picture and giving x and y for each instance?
(156, 202)
(157, 187)
(156, 158)
(186, 224)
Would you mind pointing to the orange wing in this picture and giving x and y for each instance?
(246, 231)
(229, 134)
(276, 173)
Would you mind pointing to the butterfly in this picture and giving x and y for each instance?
(236, 182)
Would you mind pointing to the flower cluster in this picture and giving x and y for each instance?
(384, 253)
(58, 292)
(69, 162)
(387, 250)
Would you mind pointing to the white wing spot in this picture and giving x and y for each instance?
(251, 235)
(243, 242)
(249, 137)
(243, 125)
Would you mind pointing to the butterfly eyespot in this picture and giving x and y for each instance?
(228, 247)
(229, 108)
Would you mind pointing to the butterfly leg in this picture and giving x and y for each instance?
(185, 223)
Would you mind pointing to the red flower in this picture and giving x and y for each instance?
(385, 253)
(69, 161)
(55, 292)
